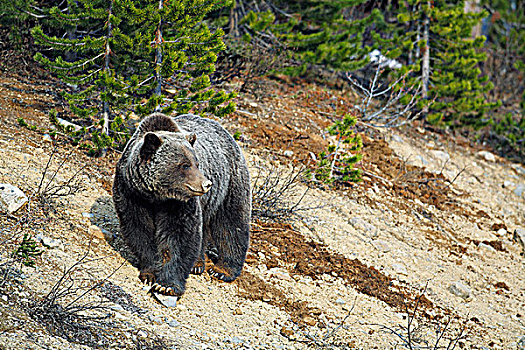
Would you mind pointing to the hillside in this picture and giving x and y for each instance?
(421, 251)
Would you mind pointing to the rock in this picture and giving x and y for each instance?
(382, 246)
(460, 289)
(340, 301)
(518, 168)
(362, 225)
(173, 323)
(520, 189)
(100, 233)
(87, 215)
(400, 269)
(309, 320)
(520, 345)
(397, 138)
(501, 232)
(519, 236)
(421, 160)
(48, 242)
(509, 184)
(489, 157)
(253, 104)
(279, 273)
(11, 198)
(47, 138)
(167, 301)
(440, 155)
(288, 153)
(155, 319)
(5, 298)
(486, 247)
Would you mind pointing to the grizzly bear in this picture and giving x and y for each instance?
(182, 190)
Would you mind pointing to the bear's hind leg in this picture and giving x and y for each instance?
(230, 234)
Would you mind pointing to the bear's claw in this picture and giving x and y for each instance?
(164, 290)
(221, 274)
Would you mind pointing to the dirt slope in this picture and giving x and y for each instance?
(342, 274)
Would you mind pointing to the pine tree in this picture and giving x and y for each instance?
(126, 56)
(435, 42)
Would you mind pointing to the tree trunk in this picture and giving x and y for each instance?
(106, 109)
(158, 55)
(425, 65)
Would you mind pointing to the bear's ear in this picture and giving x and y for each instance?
(151, 143)
(191, 138)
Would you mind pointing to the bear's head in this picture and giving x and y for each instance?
(166, 167)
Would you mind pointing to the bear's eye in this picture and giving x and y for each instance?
(185, 166)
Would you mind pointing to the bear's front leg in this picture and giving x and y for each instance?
(179, 236)
(137, 228)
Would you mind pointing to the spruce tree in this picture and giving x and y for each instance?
(134, 56)
(435, 42)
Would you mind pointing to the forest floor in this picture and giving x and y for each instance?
(420, 253)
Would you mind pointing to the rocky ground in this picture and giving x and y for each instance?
(426, 251)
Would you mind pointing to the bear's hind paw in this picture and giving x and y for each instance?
(221, 273)
(198, 268)
(164, 290)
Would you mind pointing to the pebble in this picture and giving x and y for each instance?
(519, 169)
(11, 198)
(340, 301)
(400, 269)
(519, 236)
(382, 246)
(360, 224)
(486, 247)
(442, 156)
(168, 301)
(155, 319)
(47, 138)
(48, 242)
(520, 189)
(489, 157)
(421, 160)
(521, 343)
(460, 289)
(173, 323)
(5, 298)
(288, 153)
(397, 138)
(508, 184)
(501, 232)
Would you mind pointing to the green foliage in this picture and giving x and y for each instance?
(124, 56)
(337, 163)
(456, 89)
(28, 251)
(512, 134)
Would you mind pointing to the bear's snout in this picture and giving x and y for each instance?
(198, 188)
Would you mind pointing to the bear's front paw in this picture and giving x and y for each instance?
(198, 267)
(147, 276)
(222, 273)
(166, 290)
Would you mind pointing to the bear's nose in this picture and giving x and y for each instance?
(206, 185)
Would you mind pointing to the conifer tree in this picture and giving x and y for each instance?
(124, 55)
(435, 41)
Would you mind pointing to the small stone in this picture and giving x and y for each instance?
(459, 289)
(400, 269)
(520, 189)
(309, 320)
(155, 319)
(5, 298)
(420, 130)
(288, 153)
(440, 155)
(173, 323)
(11, 198)
(47, 138)
(382, 246)
(237, 311)
(520, 345)
(421, 160)
(397, 138)
(486, 247)
(508, 184)
(236, 340)
(48, 242)
(340, 301)
(168, 301)
(87, 215)
(279, 273)
(362, 225)
(253, 104)
(489, 157)
(518, 168)
(287, 332)
(519, 236)
(501, 232)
